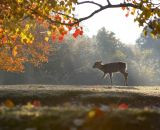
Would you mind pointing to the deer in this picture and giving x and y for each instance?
(111, 68)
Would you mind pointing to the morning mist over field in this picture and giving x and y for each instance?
(71, 62)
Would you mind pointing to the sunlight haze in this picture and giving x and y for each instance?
(112, 19)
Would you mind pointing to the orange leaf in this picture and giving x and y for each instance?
(14, 51)
(96, 112)
(58, 18)
(1, 30)
(14, 37)
(9, 103)
(4, 39)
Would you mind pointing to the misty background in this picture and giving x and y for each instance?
(71, 62)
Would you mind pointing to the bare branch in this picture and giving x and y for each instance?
(108, 6)
(90, 2)
(109, 3)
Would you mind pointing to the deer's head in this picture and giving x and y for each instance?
(97, 64)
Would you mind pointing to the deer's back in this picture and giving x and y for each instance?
(114, 67)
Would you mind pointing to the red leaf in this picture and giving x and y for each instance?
(81, 33)
(78, 31)
(64, 32)
(36, 103)
(61, 38)
(53, 37)
(58, 18)
(123, 8)
(123, 106)
(127, 15)
(75, 35)
(69, 28)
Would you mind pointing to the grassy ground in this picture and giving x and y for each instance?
(80, 108)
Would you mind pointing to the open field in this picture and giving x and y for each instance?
(70, 107)
(50, 95)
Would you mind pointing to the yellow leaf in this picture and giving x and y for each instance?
(29, 105)
(46, 39)
(17, 30)
(19, 1)
(27, 27)
(133, 11)
(91, 114)
(49, 33)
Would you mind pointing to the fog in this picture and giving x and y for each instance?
(71, 62)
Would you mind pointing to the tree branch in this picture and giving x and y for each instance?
(109, 6)
(109, 3)
(89, 2)
(90, 15)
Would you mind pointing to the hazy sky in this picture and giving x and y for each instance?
(112, 19)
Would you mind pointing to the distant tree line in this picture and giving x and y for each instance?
(71, 62)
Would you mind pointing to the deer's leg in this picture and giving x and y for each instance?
(125, 74)
(104, 75)
(126, 78)
(110, 75)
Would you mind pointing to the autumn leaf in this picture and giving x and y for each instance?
(77, 31)
(75, 35)
(58, 18)
(123, 8)
(95, 112)
(4, 40)
(133, 11)
(61, 38)
(9, 103)
(123, 106)
(49, 33)
(13, 38)
(1, 30)
(46, 39)
(127, 15)
(53, 37)
(29, 105)
(20, 1)
(36, 103)
(81, 33)
(14, 51)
